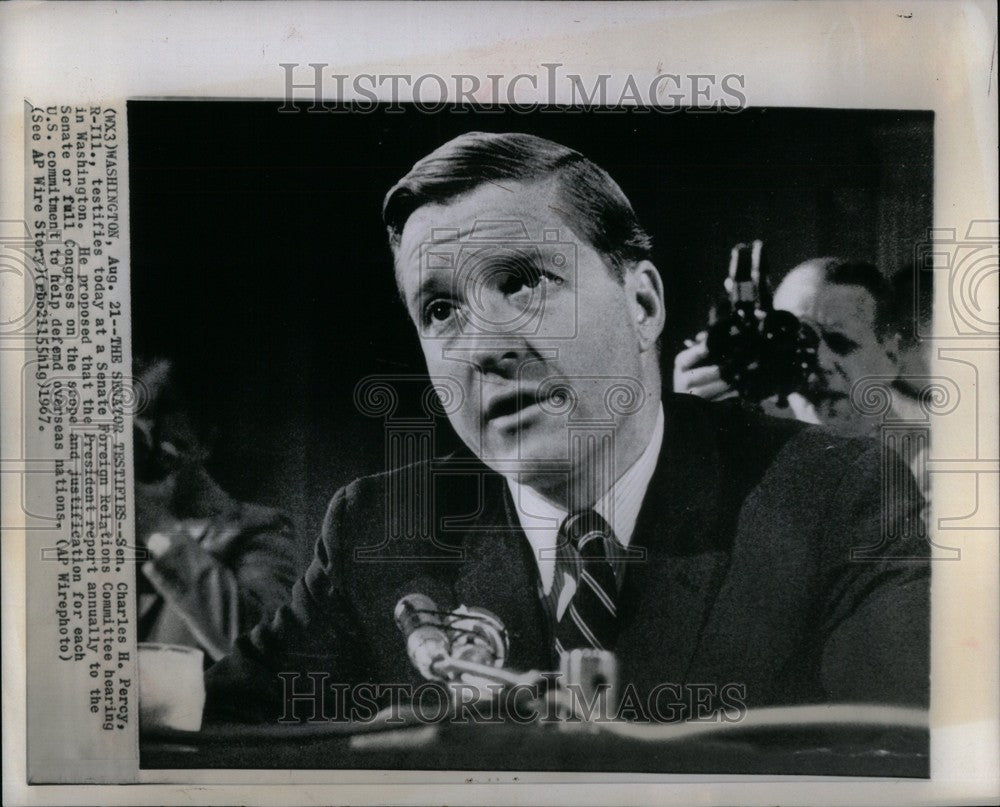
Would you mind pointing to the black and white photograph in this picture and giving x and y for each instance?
(500, 403)
(521, 440)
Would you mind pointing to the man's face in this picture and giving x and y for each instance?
(849, 350)
(528, 320)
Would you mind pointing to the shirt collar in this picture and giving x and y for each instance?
(619, 506)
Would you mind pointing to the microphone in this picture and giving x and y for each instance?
(479, 636)
(469, 644)
(426, 642)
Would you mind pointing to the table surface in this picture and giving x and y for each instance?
(815, 750)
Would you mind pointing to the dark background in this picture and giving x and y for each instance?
(260, 264)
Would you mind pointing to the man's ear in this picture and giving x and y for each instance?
(891, 347)
(644, 292)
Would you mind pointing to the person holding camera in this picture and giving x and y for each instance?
(846, 304)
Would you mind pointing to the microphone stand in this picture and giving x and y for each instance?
(451, 668)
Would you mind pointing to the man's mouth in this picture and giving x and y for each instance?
(511, 403)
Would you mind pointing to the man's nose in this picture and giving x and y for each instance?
(494, 334)
(502, 356)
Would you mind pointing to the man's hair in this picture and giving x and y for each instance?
(869, 278)
(590, 201)
(845, 272)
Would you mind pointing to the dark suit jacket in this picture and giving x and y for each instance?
(770, 562)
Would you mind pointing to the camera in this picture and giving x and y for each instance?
(760, 352)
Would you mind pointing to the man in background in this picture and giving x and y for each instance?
(849, 306)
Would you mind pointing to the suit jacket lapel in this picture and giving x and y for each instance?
(499, 573)
(669, 590)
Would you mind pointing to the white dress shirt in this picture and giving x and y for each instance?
(619, 506)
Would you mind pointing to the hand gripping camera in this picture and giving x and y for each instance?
(760, 352)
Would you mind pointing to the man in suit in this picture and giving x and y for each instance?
(699, 542)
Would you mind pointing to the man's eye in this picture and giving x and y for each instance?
(438, 311)
(524, 277)
(840, 344)
(511, 280)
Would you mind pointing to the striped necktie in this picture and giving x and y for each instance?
(590, 618)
